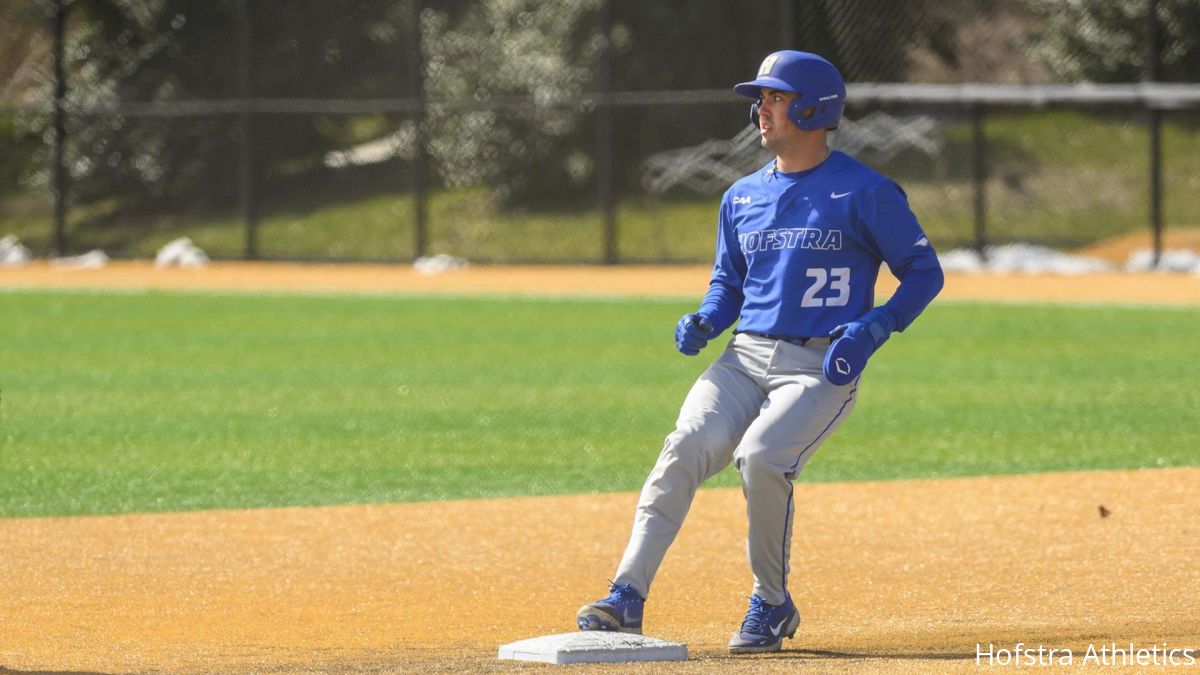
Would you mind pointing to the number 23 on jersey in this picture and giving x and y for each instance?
(836, 280)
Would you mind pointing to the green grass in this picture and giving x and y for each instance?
(1061, 178)
(116, 403)
(462, 222)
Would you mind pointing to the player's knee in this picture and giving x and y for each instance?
(694, 438)
(688, 452)
(756, 464)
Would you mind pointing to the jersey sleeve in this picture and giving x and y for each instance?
(894, 229)
(909, 255)
(723, 302)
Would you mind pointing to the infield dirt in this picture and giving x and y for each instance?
(911, 576)
(681, 281)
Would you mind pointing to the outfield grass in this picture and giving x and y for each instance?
(116, 403)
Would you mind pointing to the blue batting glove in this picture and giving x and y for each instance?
(692, 334)
(854, 343)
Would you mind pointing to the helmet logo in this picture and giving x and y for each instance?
(767, 64)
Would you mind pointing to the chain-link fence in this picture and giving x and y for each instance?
(573, 131)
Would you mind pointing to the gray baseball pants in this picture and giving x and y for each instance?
(765, 406)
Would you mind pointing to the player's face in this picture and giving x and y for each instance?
(776, 129)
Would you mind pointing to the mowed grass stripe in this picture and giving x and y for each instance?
(165, 401)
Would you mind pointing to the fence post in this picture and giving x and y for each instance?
(1153, 58)
(1156, 221)
(787, 24)
(979, 176)
(60, 129)
(246, 174)
(416, 91)
(605, 193)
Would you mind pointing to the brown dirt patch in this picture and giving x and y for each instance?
(893, 576)
(682, 281)
(906, 575)
(1118, 249)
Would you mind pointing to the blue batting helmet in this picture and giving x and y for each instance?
(820, 86)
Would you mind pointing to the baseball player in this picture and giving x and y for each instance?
(799, 246)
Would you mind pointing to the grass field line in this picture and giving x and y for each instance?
(571, 296)
(333, 294)
(533, 501)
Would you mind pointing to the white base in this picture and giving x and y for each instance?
(594, 646)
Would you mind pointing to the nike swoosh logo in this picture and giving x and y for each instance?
(626, 619)
(776, 629)
(834, 195)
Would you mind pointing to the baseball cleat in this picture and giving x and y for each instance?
(621, 611)
(765, 627)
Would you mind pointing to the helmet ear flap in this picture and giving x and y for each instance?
(800, 113)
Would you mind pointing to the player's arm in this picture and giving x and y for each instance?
(892, 226)
(722, 304)
(908, 253)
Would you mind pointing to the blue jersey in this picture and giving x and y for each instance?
(799, 254)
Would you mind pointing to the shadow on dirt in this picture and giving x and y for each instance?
(815, 654)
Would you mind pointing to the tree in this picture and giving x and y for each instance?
(179, 51)
(511, 84)
(547, 53)
(541, 56)
(24, 55)
(1105, 40)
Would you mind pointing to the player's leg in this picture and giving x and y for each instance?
(802, 410)
(715, 414)
(713, 417)
(799, 417)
